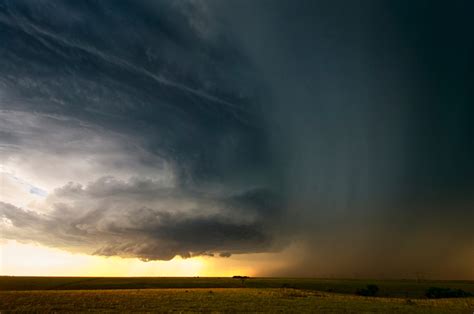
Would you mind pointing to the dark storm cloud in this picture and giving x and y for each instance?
(141, 218)
(345, 125)
(182, 90)
(141, 89)
(370, 104)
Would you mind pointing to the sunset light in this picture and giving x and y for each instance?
(236, 156)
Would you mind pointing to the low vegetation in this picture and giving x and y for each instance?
(438, 293)
(370, 291)
(387, 288)
(219, 300)
(41, 294)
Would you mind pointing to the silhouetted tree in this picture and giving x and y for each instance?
(370, 291)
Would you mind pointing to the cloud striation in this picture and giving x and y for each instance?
(156, 129)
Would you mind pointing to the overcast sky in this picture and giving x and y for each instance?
(155, 129)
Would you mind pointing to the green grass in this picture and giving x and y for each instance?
(77, 294)
(219, 300)
(388, 288)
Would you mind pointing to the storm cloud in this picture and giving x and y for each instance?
(160, 132)
(144, 219)
(163, 128)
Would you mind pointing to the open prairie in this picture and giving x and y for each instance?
(53, 294)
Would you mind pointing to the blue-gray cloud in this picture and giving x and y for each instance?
(142, 218)
(325, 122)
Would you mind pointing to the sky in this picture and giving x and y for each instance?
(215, 138)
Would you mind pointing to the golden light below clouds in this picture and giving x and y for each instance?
(22, 259)
(17, 259)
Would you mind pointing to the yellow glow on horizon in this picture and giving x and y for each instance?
(21, 259)
(17, 259)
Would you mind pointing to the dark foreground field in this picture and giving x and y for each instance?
(54, 294)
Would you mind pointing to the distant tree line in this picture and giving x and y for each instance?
(438, 293)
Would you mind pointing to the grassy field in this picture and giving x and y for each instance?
(54, 294)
